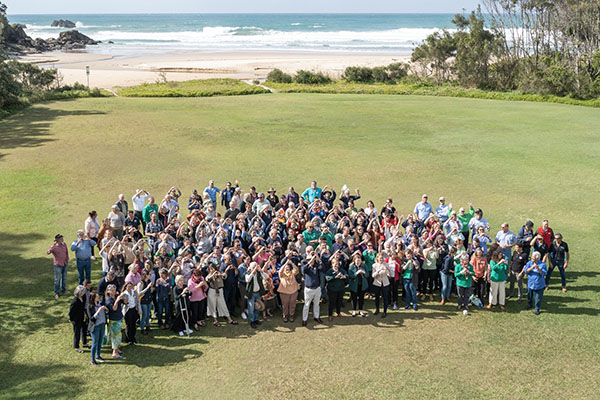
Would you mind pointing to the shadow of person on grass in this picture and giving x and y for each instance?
(31, 127)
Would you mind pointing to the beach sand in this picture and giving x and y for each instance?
(110, 71)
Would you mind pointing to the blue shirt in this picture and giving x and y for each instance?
(212, 192)
(242, 275)
(83, 250)
(442, 212)
(423, 210)
(312, 277)
(535, 280)
(311, 194)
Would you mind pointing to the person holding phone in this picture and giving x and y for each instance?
(132, 310)
(82, 246)
(536, 271)
(97, 321)
(288, 290)
(60, 255)
(463, 273)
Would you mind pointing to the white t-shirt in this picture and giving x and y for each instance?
(139, 202)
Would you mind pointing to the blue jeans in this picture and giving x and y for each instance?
(506, 254)
(534, 298)
(446, 285)
(145, 321)
(252, 313)
(84, 267)
(163, 305)
(97, 337)
(561, 268)
(410, 293)
(60, 279)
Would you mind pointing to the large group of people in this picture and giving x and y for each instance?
(261, 254)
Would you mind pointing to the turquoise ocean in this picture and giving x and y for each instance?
(329, 33)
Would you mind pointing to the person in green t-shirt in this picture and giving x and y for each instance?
(369, 256)
(464, 280)
(498, 272)
(464, 217)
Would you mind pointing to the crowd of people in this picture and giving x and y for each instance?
(266, 252)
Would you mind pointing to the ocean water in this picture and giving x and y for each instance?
(331, 33)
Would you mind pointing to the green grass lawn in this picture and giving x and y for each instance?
(516, 160)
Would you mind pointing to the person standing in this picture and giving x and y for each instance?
(91, 228)
(506, 239)
(517, 263)
(465, 217)
(117, 220)
(536, 272)
(113, 303)
(358, 284)
(422, 211)
(446, 274)
(77, 317)
(288, 290)
(442, 211)
(311, 193)
(212, 191)
(336, 282)
(150, 208)
(227, 195)
(559, 257)
(60, 255)
(497, 270)
(139, 201)
(410, 273)
(463, 273)
(381, 283)
(546, 233)
(82, 247)
(311, 270)
(525, 237)
(254, 290)
(97, 322)
(132, 310)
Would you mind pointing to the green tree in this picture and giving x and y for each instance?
(435, 55)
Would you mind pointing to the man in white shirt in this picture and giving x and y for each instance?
(139, 201)
(260, 204)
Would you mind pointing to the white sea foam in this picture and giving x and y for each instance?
(245, 37)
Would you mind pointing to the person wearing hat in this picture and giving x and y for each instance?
(328, 196)
(272, 197)
(117, 220)
(525, 236)
(82, 246)
(60, 255)
(441, 211)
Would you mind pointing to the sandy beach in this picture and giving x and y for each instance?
(110, 71)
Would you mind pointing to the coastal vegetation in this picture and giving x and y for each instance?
(22, 84)
(193, 88)
(517, 161)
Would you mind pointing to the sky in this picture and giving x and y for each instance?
(236, 6)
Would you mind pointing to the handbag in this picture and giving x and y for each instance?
(259, 305)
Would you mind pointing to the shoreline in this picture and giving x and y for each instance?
(114, 70)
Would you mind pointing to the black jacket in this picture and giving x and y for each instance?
(77, 311)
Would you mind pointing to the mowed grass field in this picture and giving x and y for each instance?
(515, 160)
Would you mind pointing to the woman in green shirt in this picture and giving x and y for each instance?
(498, 270)
(336, 278)
(464, 280)
(410, 269)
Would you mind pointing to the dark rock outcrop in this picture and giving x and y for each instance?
(17, 41)
(63, 23)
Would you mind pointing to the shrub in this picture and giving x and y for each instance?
(311, 78)
(279, 76)
(358, 74)
(397, 71)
